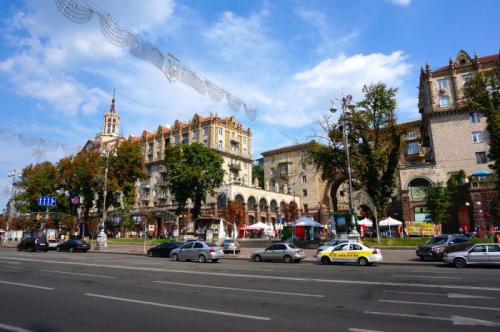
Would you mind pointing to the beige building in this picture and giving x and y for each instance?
(449, 137)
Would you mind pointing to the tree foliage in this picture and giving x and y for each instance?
(439, 203)
(192, 172)
(258, 173)
(482, 94)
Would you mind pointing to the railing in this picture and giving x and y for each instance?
(482, 184)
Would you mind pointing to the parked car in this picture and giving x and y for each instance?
(350, 253)
(163, 250)
(52, 244)
(330, 243)
(73, 245)
(33, 244)
(279, 252)
(435, 247)
(197, 250)
(231, 246)
(483, 253)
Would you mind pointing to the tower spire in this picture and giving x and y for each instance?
(112, 109)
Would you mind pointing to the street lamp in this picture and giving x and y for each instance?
(12, 174)
(102, 238)
(347, 108)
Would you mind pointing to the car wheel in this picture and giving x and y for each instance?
(202, 259)
(175, 257)
(215, 260)
(362, 261)
(287, 259)
(325, 260)
(459, 263)
(257, 258)
(150, 254)
(71, 249)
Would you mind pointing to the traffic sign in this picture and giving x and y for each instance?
(46, 201)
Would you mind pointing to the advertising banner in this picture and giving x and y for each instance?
(419, 228)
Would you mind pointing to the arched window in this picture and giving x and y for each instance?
(419, 189)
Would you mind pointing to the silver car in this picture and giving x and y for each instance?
(482, 253)
(279, 252)
(231, 246)
(197, 251)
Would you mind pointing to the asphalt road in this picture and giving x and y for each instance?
(112, 292)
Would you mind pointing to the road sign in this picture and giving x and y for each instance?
(46, 201)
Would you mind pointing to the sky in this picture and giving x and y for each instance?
(287, 59)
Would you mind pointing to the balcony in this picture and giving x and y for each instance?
(285, 169)
(235, 167)
(234, 140)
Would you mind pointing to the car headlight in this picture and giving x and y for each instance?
(438, 250)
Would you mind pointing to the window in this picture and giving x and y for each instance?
(493, 248)
(272, 160)
(185, 138)
(304, 192)
(444, 101)
(412, 134)
(198, 245)
(306, 208)
(303, 167)
(474, 117)
(280, 247)
(412, 148)
(244, 140)
(479, 248)
(481, 157)
(176, 139)
(205, 131)
(285, 157)
(221, 144)
(442, 84)
(167, 141)
(150, 147)
(195, 135)
(221, 131)
(466, 78)
(304, 179)
(477, 137)
(355, 247)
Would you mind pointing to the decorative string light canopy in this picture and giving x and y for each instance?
(80, 12)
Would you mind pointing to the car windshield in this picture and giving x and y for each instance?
(292, 246)
(437, 240)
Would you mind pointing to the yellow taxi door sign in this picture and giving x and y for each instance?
(348, 254)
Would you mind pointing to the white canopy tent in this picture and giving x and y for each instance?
(388, 222)
(305, 221)
(365, 222)
(257, 226)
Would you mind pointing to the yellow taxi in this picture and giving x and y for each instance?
(349, 253)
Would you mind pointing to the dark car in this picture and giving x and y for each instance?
(436, 246)
(73, 245)
(163, 249)
(33, 244)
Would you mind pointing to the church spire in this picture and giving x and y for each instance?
(112, 109)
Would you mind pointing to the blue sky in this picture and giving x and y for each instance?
(286, 58)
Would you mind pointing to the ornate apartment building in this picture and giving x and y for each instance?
(448, 138)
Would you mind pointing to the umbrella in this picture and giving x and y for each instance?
(305, 221)
(222, 231)
(390, 222)
(259, 225)
(365, 222)
(481, 173)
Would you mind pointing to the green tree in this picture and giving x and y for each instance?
(192, 171)
(482, 94)
(439, 203)
(258, 173)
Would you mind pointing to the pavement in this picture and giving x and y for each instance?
(99, 291)
(394, 256)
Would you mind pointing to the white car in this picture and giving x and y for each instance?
(52, 244)
(349, 253)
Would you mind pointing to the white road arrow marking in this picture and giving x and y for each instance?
(456, 320)
(449, 295)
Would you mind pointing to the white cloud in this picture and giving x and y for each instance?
(403, 3)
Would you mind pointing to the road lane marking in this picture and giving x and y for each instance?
(238, 289)
(7, 262)
(449, 295)
(244, 269)
(456, 320)
(352, 329)
(79, 274)
(257, 276)
(434, 272)
(426, 277)
(25, 285)
(156, 304)
(443, 305)
(5, 327)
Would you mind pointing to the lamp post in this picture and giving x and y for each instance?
(347, 108)
(12, 174)
(102, 238)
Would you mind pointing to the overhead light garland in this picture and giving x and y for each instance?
(79, 11)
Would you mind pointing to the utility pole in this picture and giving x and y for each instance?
(12, 174)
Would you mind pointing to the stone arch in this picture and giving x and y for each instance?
(418, 188)
(239, 198)
(406, 186)
(263, 204)
(252, 203)
(274, 206)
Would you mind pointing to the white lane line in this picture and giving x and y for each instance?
(214, 312)
(5, 327)
(25, 285)
(353, 329)
(449, 295)
(79, 274)
(425, 277)
(257, 276)
(456, 320)
(243, 269)
(238, 289)
(443, 305)
(7, 262)
(434, 272)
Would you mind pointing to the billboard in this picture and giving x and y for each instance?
(419, 228)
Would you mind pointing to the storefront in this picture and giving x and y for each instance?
(209, 229)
